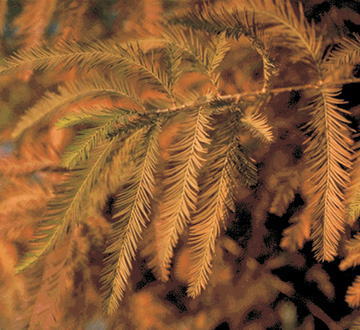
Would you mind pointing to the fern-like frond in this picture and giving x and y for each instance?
(329, 155)
(146, 67)
(346, 53)
(189, 44)
(262, 46)
(214, 21)
(269, 67)
(71, 93)
(277, 17)
(204, 56)
(257, 124)
(219, 48)
(180, 185)
(95, 115)
(243, 168)
(117, 170)
(215, 198)
(289, 29)
(83, 55)
(84, 143)
(172, 62)
(120, 165)
(89, 138)
(77, 118)
(87, 55)
(66, 207)
(232, 23)
(353, 293)
(134, 207)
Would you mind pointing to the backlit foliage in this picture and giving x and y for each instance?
(145, 132)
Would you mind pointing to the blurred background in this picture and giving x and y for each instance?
(264, 273)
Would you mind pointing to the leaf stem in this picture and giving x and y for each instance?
(236, 97)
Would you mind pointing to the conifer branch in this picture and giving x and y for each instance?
(257, 124)
(189, 45)
(146, 67)
(118, 168)
(105, 125)
(193, 178)
(203, 57)
(214, 21)
(329, 149)
(84, 143)
(133, 207)
(346, 53)
(235, 98)
(85, 56)
(215, 198)
(172, 62)
(294, 30)
(71, 93)
(181, 186)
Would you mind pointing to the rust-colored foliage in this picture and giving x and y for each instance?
(179, 164)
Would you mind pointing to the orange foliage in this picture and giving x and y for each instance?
(263, 240)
